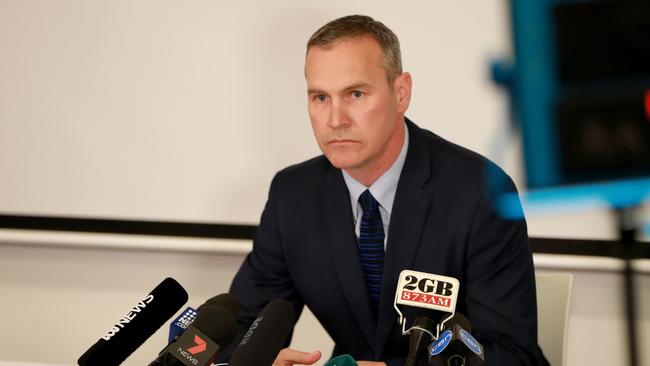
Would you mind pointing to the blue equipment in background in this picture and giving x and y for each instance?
(580, 91)
(579, 87)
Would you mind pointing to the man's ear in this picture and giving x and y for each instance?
(403, 84)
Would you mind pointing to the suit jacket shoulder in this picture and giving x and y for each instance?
(451, 164)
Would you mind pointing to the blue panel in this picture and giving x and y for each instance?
(534, 86)
(616, 194)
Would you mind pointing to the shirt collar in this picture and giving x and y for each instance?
(385, 187)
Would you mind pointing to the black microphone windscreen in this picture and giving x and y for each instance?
(226, 300)
(218, 323)
(424, 322)
(456, 346)
(136, 326)
(461, 320)
(266, 336)
(420, 335)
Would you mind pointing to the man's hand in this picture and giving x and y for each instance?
(290, 357)
(370, 363)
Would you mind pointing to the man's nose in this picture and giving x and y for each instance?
(338, 115)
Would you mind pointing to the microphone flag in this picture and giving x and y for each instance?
(426, 290)
(178, 326)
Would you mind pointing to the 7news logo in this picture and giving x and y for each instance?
(195, 348)
(201, 346)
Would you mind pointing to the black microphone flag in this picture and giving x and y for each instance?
(136, 326)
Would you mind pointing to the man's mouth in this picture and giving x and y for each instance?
(342, 141)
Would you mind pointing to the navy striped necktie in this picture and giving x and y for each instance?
(371, 246)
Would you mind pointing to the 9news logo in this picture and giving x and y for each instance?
(427, 290)
(187, 319)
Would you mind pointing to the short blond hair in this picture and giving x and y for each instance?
(353, 26)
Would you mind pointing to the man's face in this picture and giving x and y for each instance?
(356, 114)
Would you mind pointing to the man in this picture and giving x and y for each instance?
(385, 196)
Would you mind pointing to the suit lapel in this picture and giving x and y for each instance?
(342, 240)
(408, 218)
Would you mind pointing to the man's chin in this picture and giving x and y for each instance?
(342, 163)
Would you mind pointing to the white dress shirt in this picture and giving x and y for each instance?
(383, 189)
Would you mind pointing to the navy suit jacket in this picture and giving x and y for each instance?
(442, 222)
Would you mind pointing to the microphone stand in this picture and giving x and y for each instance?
(627, 226)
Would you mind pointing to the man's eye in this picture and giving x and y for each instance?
(357, 94)
(321, 98)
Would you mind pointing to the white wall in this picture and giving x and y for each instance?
(58, 300)
(183, 111)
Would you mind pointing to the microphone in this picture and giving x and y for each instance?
(266, 336)
(456, 346)
(226, 300)
(420, 336)
(436, 293)
(342, 360)
(178, 326)
(214, 327)
(187, 317)
(136, 326)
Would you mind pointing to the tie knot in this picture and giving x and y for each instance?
(368, 202)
